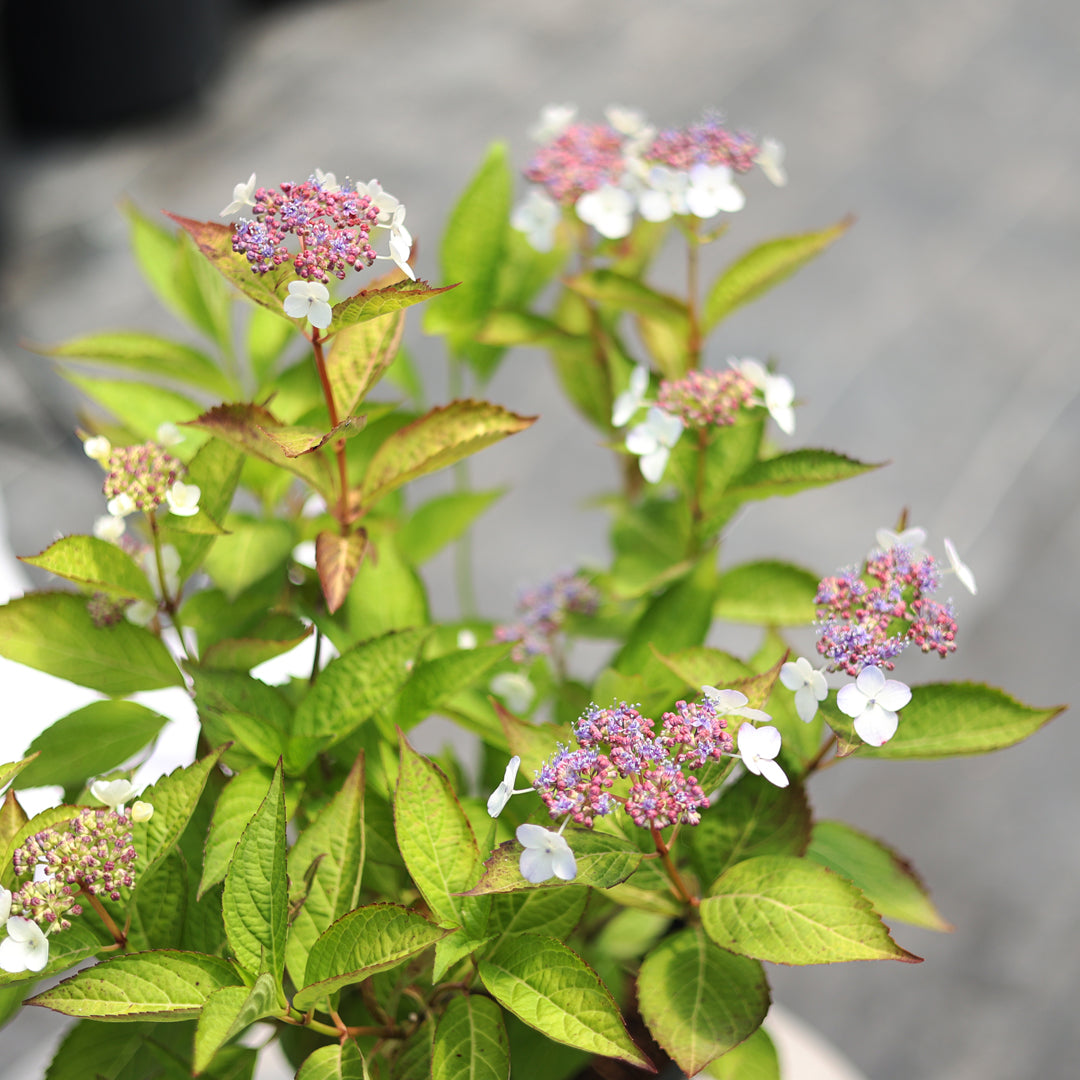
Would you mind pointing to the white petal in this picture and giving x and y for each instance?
(963, 571)
(725, 701)
(654, 464)
(895, 695)
(792, 675)
(5, 903)
(296, 307)
(183, 499)
(752, 714)
(655, 206)
(498, 799)
(641, 439)
(97, 447)
(876, 725)
(563, 862)
(774, 773)
(766, 741)
(819, 685)
(850, 700)
(321, 314)
(531, 836)
(871, 681)
(108, 527)
(113, 793)
(535, 865)
(141, 811)
(806, 703)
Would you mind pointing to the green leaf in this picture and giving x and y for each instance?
(359, 357)
(160, 907)
(764, 266)
(702, 665)
(53, 632)
(231, 701)
(91, 741)
(767, 592)
(351, 687)
(147, 354)
(952, 719)
(794, 911)
(552, 989)
(433, 683)
(235, 807)
(174, 798)
(341, 1062)
(373, 303)
(788, 474)
(471, 251)
(554, 912)
(886, 878)
(65, 951)
(626, 294)
(698, 1000)
(434, 837)
(255, 902)
(335, 840)
(503, 328)
(442, 520)
(96, 564)
(602, 861)
(387, 594)
(228, 1012)
(361, 944)
(101, 1051)
(210, 299)
(268, 335)
(252, 549)
(166, 984)
(9, 770)
(438, 438)
(755, 1059)
(470, 1041)
(140, 407)
(279, 634)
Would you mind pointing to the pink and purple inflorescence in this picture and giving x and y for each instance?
(867, 619)
(706, 398)
(331, 223)
(705, 142)
(542, 613)
(582, 158)
(145, 472)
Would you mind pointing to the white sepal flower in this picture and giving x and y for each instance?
(627, 121)
(777, 392)
(872, 702)
(400, 242)
(466, 639)
(959, 568)
(113, 793)
(712, 190)
(770, 159)
(242, 195)
(97, 447)
(498, 799)
(110, 528)
(554, 120)
(608, 209)
(808, 684)
(663, 193)
(758, 748)
(121, 505)
(308, 300)
(168, 434)
(652, 441)
(516, 691)
(631, 399)
(183, 499)
(733, 703)
(327, 180)
(5, 903)
(913, 539)
(25, 948)
(383, 201)
(546, 855)
(141, 811)
(537, 217)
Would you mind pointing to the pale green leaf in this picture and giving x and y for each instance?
(228, 1012)
(755, 1059)
(9, 770)
(433, 683)
(766, 593)
(788, 474)
(94, 563)
(340, 1062)
(252, 549)
(140, 407)
(235, 807)
(442, 520)
(470, 1041)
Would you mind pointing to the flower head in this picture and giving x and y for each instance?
(25, 948)
(498, 799)
(653, 440)
(139, 478)
(808, 684)
(706, 398)
(383, 200)
(243, 195)
(758, 748)
(542, 613)
(183, 499)
(960, 569)
(308, 300)
(546, 855)
(872, 702)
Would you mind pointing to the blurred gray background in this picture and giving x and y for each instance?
(941, 333)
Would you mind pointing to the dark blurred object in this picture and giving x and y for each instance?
(72, 66)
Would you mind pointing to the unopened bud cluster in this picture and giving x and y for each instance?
(867, 618)
(620, 743)
(139, 477)
(706, 398)
(331, 222)
(93, 852)
(542, 613)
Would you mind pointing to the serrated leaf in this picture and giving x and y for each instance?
(174, 798)
(229, 1011)
(764, 266)
(767, 593)
(9, 770)
(702, 665)
(470, 1041)
(266, 642)
(235, 807)
(89, 742)
(255, 902)
(101, 1051)
(53, 632)
(951, 719)
(750, 818)
(145, 353)
(341, 1062)
(434, 682)
(472, 249)
(252, 549)
(755, 1059)
(438, 438)
(799, 470)
(373, 303)
(793, 911)
(267, 338)
(885, 877)
(533, 743)
(602, 861)
(625, 293)
(698, 1000)
(351, 687)
(165, 984)
(435, 838)
(552, 989)
(362, 943)
(336, 840)
(96, 563)
(359, 356)
(296, 440)
(337, 559)
(141, 407)
(160, 906)
(442, 520)
(554, 912)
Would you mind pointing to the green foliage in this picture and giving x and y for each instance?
(471, 1042)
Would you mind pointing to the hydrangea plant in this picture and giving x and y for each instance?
(587, 882)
